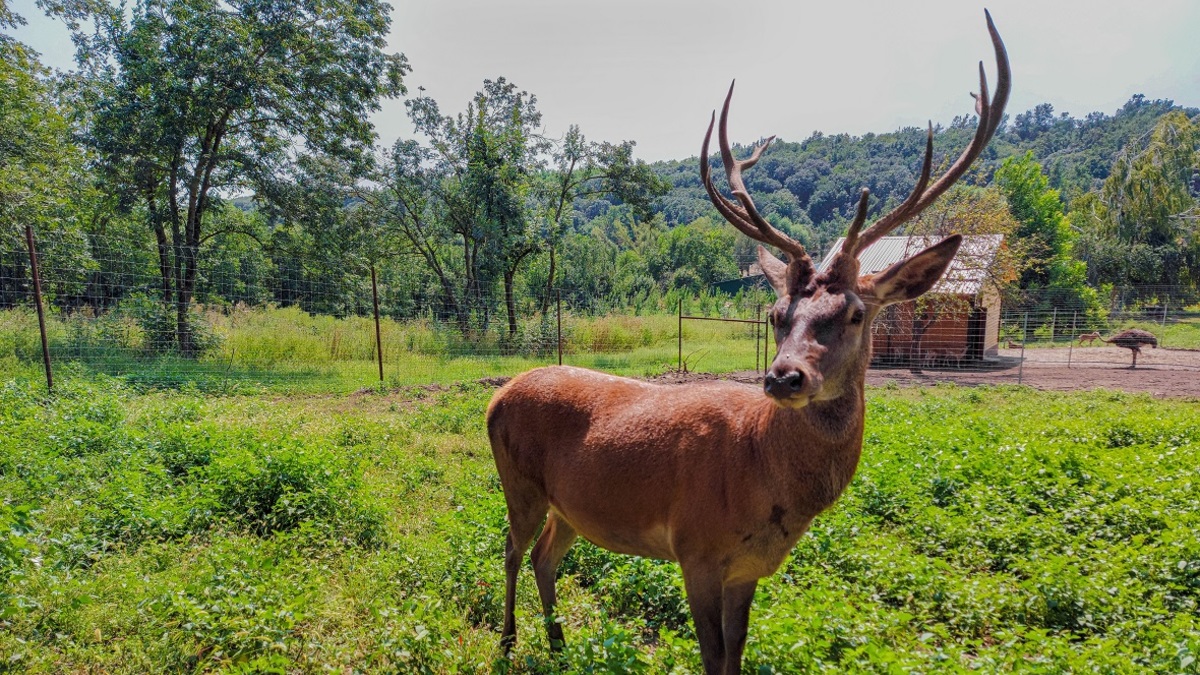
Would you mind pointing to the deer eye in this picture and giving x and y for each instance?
(857, 317)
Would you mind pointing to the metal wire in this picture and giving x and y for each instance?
(296, 318)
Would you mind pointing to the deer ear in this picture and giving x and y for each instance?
(775, 270)
(911, 278)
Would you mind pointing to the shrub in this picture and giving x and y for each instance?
(278, 484)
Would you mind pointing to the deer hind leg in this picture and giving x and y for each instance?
(524, 516)
(557, 537)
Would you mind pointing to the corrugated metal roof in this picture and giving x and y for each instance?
(967, 271)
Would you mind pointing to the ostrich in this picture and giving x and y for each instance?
(1133, 339)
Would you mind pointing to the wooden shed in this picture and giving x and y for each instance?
(958, 321)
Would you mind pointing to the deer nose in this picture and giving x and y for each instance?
(783, 385)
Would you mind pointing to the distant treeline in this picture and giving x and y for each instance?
(219, 153)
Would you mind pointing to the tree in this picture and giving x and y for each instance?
(1043, 227)
(1145, 190)
(200, 97)
(39, 163)
(489, 193)
(1140, 228)
(695, 256)
(970, 211)
(460, 204)
(582, 170)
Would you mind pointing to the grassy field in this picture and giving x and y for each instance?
(1180, 333)
(287, 350)
(988, 530)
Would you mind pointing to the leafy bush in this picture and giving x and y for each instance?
(278, 484)
(987, 530)
(242, 612)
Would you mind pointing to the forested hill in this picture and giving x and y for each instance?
(810, 186)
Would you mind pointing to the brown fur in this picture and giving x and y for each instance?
(717, 476)
(721, 477)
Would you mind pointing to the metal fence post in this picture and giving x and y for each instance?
(1053, 323)
(766, 346)
(1025, 338)
(680, 362)
(37, 299)
(1163, 330)
(1074, 331)
(378, 334)
(560, 326)
(757, 335)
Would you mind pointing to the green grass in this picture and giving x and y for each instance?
(988, 530)
(1180, 333)
(287, 350)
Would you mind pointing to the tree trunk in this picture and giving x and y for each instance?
(549, 280)
(164, 258)
(921, 324)
(509, 303)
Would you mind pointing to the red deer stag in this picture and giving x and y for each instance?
(716, 475)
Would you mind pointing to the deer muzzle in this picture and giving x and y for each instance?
(792, 386)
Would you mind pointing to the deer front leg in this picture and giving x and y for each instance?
(735, 621)
(557, 537)
(705, 599)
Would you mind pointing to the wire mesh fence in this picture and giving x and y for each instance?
(314, 322)
(322, 323)
(978, 340)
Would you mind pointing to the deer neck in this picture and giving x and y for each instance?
(813, 451)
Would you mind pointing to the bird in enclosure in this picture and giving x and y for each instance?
(1133, 340)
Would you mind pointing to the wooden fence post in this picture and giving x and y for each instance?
(378, 335)
(37, 299)
(560, 326)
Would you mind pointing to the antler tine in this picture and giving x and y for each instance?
(901, 213)
(859, 218)
(990, 114)
(731, 211)
(764, 231)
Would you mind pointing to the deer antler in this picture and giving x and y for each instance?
(744, 215)
(990, 114)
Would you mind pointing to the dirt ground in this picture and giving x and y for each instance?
(1173, 373)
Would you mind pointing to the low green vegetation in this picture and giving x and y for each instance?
(988, 530)
(1178, 333)
(289, 350)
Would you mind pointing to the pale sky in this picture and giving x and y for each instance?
(652, 71)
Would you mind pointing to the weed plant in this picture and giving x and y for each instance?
(988, 530)
(289, 350)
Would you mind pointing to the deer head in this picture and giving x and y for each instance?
(822, 320)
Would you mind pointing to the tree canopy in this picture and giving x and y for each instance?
(197, 98)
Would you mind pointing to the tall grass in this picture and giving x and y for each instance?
(289, 348)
